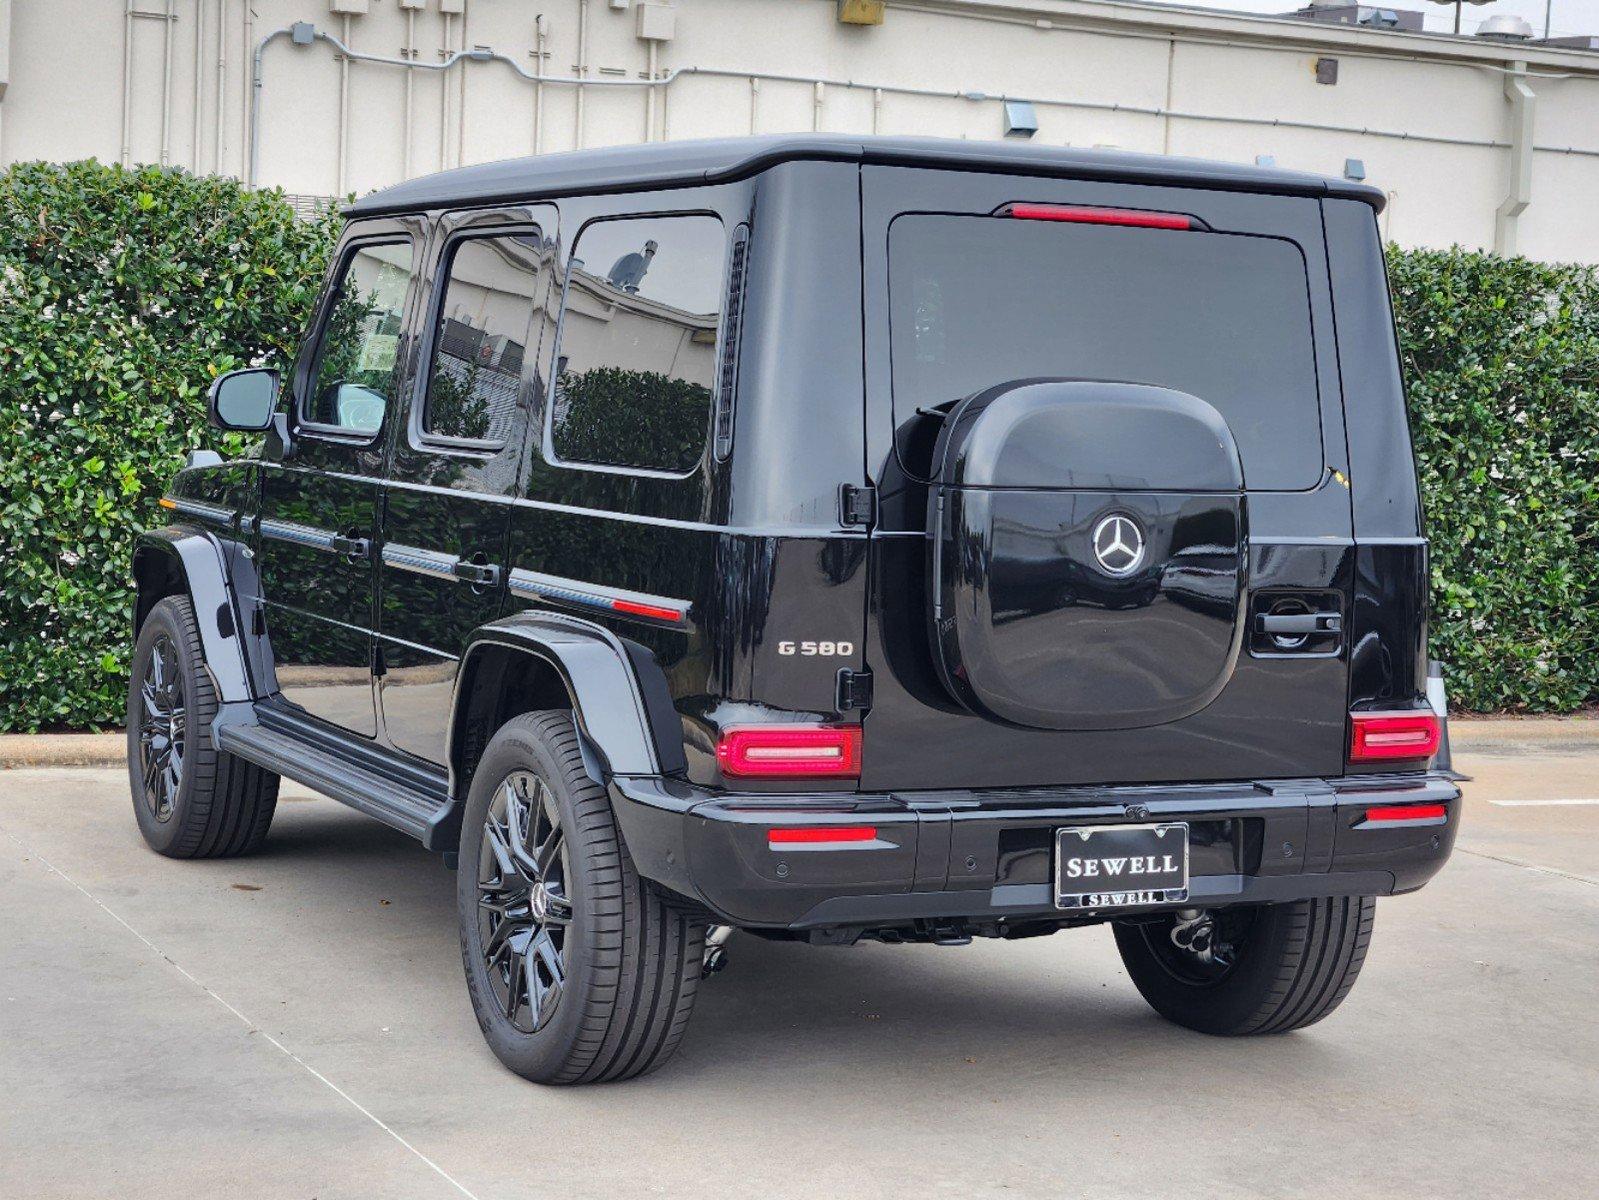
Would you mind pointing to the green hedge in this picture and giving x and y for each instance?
(124, 292)
(1501, 364)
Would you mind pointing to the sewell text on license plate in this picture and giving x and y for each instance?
(1114, 866)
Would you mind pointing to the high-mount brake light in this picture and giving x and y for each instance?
(791, 752)
(1082, 215)
(1374, 737)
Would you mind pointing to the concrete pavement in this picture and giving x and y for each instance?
(294, 1025)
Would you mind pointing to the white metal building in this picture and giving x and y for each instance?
(1489, 143)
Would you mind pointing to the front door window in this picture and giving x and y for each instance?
(352, 382)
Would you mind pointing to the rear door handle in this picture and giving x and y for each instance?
(477, 574)
(353, 548)
(1300, 623)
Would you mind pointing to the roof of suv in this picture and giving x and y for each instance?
(718, 160)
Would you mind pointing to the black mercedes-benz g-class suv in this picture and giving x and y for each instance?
(829, 538)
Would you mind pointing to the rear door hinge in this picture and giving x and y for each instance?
(854, 690)
(857, 505)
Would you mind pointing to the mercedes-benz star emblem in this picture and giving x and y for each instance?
(1118, 545)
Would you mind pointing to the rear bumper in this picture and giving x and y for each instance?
(988, 855)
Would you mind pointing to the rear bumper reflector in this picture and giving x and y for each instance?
(1390, 813)
(1394, 735)
(821, 834)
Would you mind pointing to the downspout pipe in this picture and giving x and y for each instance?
(171, 19)
(1523, 122)
(127, 82)
(222, 83)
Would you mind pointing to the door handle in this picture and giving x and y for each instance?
(1299, 623)
(353, 548)
(478, 574)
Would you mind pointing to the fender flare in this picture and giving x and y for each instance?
(199, 562)
(619, 696)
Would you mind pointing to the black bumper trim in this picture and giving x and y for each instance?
(939, 855)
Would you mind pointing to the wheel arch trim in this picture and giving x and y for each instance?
(195, 560)
(617, 690)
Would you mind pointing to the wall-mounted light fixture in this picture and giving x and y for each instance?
(1355, 169)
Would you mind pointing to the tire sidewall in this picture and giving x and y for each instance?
(518, 748)
(165, 619)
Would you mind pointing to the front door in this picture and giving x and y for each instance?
(319, 508)
(457, 452)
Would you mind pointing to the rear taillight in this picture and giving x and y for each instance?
(1374, 737)
(1082, 215)
(791, 751)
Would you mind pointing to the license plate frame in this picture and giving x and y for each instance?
(1149, 837)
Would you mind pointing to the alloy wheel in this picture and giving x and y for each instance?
(162, 729)
(524, 912)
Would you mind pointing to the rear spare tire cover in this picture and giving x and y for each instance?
(1088, 554)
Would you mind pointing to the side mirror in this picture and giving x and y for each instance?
(243, 400)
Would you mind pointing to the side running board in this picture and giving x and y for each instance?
(410, 799)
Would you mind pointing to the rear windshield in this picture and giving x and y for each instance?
(976, 301)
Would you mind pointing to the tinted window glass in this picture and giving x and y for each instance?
(638, 343)
(978, 301)
(495, 286)
(355, 355)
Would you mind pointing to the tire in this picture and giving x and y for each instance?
(579, 970)
(1290, 965)
(190, 799)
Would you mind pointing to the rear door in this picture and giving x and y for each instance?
(458, 450)
(1066, 592)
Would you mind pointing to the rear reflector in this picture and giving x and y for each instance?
(1377, 736)
(1097, 216)
(821, 834)
(1407, 812)
(791, 751)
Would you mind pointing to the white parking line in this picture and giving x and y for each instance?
(253, 1026)
(1542, 803)
(1527, 866)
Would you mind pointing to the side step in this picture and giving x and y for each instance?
(403, 798)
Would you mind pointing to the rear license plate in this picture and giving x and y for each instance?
(1113, 866)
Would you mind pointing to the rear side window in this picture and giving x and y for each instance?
(353, 381)
(495, 286)
(637, 354)
(977, 301)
